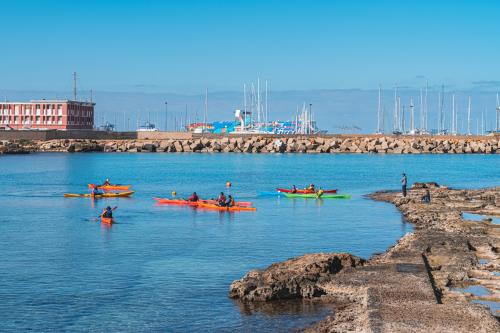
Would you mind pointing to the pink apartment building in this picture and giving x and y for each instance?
(47, 114)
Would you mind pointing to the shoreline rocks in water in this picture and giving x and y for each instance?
(368, 144)
(413, 286)
(295, 278)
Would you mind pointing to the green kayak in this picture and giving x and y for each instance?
(314, 196)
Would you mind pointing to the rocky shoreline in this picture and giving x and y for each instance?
(369, 144)
(415, 285)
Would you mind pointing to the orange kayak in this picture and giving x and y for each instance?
(111, 187)
(107, 220)
(229, 209)
(179, 202)
(182, 202)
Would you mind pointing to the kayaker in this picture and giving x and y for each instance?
(404, 182)
(95, 191)
(230, 201)
(194, 197)
(320, 192)
(106, 182)
(294, 189)
(107, 213)
(311, 188)
(221, 199)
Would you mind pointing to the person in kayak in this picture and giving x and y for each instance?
(311, 188)
(230, 201)
(106, 182)
(107, 213)
(95, 191)
(194, 197)
(320, 192)
(221, 199)
(294, 189)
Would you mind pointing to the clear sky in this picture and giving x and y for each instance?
(186, 45)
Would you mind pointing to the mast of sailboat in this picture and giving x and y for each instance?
(258, 101)
(498, 115)
(244, 106)
(379, 108)
(205, 114)
(421, 111)
(453, 128)
(468, 118)
(267, 119)
(395, 122)
(426, 128)
(412, 116)
(400, 119)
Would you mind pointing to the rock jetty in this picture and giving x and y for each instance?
(359, 144)
(415, 285)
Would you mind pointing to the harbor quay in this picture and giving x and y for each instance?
(179, 142)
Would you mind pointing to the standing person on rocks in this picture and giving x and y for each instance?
(404, 182)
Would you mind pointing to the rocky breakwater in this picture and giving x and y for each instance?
(279, 144)
(12, 147)
(415, 285)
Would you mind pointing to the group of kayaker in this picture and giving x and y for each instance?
(310, 189)
(222, 201)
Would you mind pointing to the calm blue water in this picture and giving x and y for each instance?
(168, 269)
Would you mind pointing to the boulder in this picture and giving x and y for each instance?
(299, 277)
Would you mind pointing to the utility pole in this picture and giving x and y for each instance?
(74, 86)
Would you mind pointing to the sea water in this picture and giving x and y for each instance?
(168, 268)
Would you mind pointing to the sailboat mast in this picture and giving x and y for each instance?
(267, 119)
(425, 107)
(244, 106)
(453, 129)
(468, 118)
(258, 101)
(395, 124)
(205, 114)
(412, 117)
(379, 108)
(498, 115)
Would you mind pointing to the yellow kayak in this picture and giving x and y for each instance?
(102, 195)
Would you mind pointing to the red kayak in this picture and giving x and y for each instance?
(182, 202)
(305, 191)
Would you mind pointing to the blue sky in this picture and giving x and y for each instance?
(185, 46)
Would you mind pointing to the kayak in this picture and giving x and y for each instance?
(229, 209)
(314, 196)
(111, 187)
(285, 190)
(107, 220)
(103, 195)
(182, 202)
